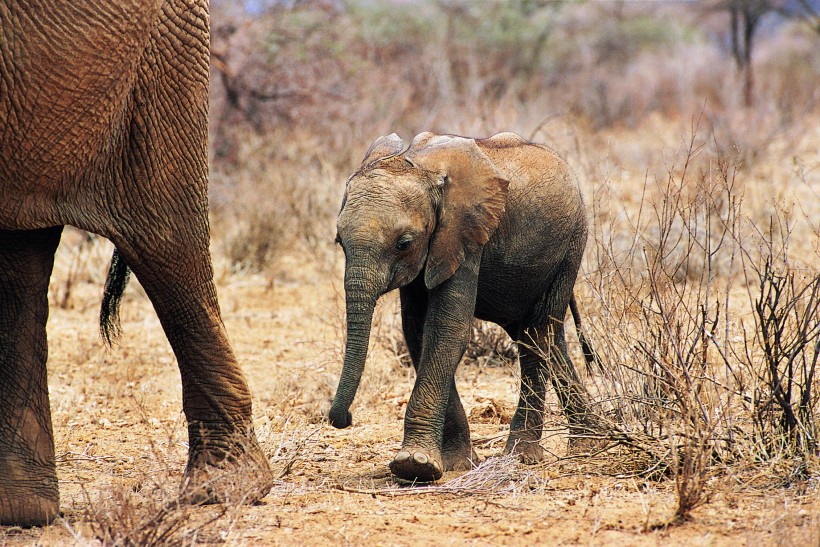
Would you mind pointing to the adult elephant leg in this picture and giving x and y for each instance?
(457, 453)
(225, 461)
(158, 208)
(28, 479)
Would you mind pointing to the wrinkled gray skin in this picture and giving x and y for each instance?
(491, 228)
(103, 126)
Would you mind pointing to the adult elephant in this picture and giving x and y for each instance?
(492, 228)
(104, 126)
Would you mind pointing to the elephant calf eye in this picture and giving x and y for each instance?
(404, 242)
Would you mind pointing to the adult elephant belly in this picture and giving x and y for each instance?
(52, 138)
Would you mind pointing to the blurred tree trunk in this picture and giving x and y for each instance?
(745, 15)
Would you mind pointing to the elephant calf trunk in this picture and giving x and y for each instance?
(339, 417)
(359, 318)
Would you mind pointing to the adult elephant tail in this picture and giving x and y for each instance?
(590, 355)
(118, 275)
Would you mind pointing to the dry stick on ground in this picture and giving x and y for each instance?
(300, 444)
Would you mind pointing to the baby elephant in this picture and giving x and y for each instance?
(490, 228)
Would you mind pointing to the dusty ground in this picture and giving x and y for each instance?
(119, 432)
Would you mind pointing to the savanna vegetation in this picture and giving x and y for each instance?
(699, 160)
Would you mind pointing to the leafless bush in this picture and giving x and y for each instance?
(659, 314)
(693, 377)
(150, 510)
(150, 507)
(490, 345)
(271, 206)
(786, 342)
(129, 518)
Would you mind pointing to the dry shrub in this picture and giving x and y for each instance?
(283, 199)
(686, 380)
(785, 340)
(606, 63)
(129, 518)
(147, 506)
(489, 345)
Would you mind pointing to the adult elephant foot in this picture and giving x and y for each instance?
(528, 451)
(29, 495)
(235, 471)
(33, 502)
(416, 466)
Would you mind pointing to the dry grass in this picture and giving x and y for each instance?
(699, 288)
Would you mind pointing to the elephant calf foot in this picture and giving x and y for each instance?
(528, 451)
(240, 474)
(416, 466)
(459, 457)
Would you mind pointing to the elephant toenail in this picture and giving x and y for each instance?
(402, 456)
(420, 458)
(436, 466)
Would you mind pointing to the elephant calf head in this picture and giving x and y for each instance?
(409, 210)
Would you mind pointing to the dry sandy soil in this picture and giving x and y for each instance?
(120, 440)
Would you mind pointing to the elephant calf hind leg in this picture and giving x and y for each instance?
(528, 421)
(457, 452)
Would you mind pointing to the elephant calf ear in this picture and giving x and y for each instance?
(474, 197)
(383, 147)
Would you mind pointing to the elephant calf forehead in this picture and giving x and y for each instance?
(386, 208)
(384, 189)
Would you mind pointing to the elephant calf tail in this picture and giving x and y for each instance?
(590, 355)
(118, 275)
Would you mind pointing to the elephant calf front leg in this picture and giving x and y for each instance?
(457, 452)
(436, 434)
